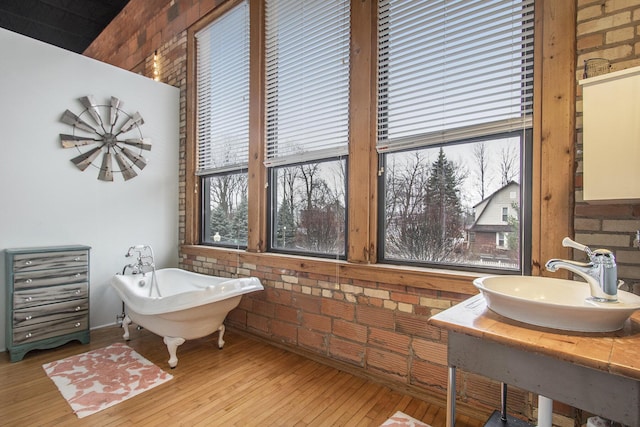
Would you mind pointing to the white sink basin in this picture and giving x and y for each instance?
(555, 303)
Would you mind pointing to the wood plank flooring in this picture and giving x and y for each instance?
(248, 383)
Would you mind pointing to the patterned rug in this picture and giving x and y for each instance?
(400, 419)
(98, 379)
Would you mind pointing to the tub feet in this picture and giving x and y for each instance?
(125, 325)
(172, 345)
(220, 340)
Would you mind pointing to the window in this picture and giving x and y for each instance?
(307, 110)
(222, 73)
(309, 212)
(505, 214)
(454, 131)
(501, 240)
(227, 207)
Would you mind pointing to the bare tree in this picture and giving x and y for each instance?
(309, 173)
(226, 191)
(289, 177)
(405, 186)
(311, 209)
(509, 165)
(482, 165)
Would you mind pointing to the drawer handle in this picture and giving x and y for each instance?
(28, 335)
(28, 298)
(77, 258)
(77, 325)
(27, 263)
(28, 318)
(78, 291)
(77, 274)
(78, 308)
(28, 281)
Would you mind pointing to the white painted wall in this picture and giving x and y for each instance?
(45, 200)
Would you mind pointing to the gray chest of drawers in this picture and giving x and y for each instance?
(47, 297)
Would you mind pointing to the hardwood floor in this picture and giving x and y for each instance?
(249, 383)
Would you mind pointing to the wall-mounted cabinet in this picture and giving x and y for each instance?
(47, 297)
(611, 137)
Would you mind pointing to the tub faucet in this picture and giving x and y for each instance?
(144, 258)
(600, 272)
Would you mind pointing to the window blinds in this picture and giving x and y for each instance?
(307, 80)
(222, 73)
(451, 70)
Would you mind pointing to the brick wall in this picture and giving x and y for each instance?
(607, 29)
(377, 328)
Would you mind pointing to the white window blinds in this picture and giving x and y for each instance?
(451, 70)
(307, 79)
(222, 73)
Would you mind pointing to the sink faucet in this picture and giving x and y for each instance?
(600, 272)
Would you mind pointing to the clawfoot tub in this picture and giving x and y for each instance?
(180, 305)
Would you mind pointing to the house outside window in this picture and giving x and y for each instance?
(222, 73)
(454, 129)
(492, 233)
(307, 124)
(505, 214)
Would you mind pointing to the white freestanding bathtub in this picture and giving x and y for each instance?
(180, 305)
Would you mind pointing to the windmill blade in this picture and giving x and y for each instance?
(71, 119)
(84, 160)
(125, 167)
(142, 143)
(92, 108)
(69, 141)
(137, 159)
(135, 120)
(106, 174)
(115, 105)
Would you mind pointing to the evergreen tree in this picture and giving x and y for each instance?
(443, 209)
(240, 222)
(220, 223)
(286, 225)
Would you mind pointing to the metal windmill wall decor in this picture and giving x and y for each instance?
(104, 127)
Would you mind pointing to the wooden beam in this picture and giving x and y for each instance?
(191, 209)
(257, 238)
(363, 164)
(554, 130)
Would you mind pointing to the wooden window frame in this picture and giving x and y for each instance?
(553, 151)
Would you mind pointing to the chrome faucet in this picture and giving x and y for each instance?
(600, 272)
(144, 259)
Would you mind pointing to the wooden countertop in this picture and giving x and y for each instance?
(614, 352)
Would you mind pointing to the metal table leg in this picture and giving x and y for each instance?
(451, 397)
(503, 402)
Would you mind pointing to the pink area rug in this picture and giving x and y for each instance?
(400, 419)
(99, 379)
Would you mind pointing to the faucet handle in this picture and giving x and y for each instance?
(568, 243)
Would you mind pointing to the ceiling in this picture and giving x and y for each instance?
(69, 24)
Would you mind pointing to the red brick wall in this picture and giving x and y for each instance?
(378, 328)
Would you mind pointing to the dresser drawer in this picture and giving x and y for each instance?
(40, 331)
(49, 260)
(35, 279)
(50, 294)
(50, 312)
